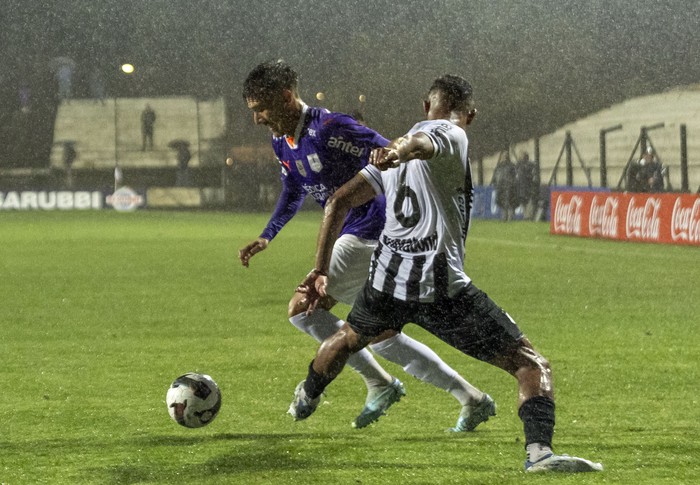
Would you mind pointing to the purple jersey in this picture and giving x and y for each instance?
(327, 150)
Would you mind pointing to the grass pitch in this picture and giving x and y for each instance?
(101, 311)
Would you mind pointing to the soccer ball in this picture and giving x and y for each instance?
(193, 400)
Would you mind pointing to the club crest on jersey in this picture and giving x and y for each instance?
(345, 146)
(314, 162)
(300, 168)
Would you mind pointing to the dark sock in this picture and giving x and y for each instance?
(537, 415)
(315, 382)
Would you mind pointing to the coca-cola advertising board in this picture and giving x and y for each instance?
(659, 218)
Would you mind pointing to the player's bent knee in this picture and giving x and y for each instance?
(521, 359)
(298, 304)
(534, 359)
(345, 340)
(534, 371)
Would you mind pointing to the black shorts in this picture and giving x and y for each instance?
(470, 321)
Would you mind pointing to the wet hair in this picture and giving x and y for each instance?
(457, 92)
(268, 78)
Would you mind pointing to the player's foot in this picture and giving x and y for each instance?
(377, 405)
(472, 416)
(302, 406)
(562, 463)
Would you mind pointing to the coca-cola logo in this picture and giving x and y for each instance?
(567, 216)
(685, 221)
(602, 219)
(643, 222)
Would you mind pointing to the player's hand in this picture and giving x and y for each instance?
(314, 287)
(384, 158)
(247, 252)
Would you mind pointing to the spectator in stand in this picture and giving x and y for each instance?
(183, 160)
(148, 120)
(69, 156)
(645, 174)
(651, 172)
(528, 185)
(97, 86)
(63, 68)
(504, 183)
(25, 98)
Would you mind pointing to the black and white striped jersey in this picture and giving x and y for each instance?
(421, 249)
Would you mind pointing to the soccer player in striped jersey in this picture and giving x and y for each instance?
(417, 272)
(318, 152)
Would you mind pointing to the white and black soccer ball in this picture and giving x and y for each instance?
(193, 400)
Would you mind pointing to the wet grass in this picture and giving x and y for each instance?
(100, 311)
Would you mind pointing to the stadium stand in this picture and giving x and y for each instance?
(102, 134)
(671, 109)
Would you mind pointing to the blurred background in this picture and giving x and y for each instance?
(77, 76)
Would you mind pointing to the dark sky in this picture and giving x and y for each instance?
(534, 64)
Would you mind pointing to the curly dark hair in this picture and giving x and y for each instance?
(268, 78)
(457, 91)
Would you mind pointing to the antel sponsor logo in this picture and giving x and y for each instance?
(603, 219)
(643, 222)
(685, 221)
(52, 200)
(567, 216)
(345, 146)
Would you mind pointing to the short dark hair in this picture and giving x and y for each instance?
(457, 91)
(269, 77)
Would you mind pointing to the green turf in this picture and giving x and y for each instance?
(100, 311)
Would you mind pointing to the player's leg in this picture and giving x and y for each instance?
(372, 316)
(330, 359)
(347, 275)
(321, 324)
(481, 329)
(536, 409)
(420, 361)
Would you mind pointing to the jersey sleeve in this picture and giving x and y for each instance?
(288, 204)
(447, 138)
(373, 176)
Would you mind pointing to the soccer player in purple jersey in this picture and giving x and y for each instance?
(418, 270)
(318, 152)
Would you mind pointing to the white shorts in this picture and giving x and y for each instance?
(349, 267)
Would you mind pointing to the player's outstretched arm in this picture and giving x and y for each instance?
(354, 193)
(250, 250)
(402, 150)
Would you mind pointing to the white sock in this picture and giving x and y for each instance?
(321, 324)
(422, 362)
(535, 451)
